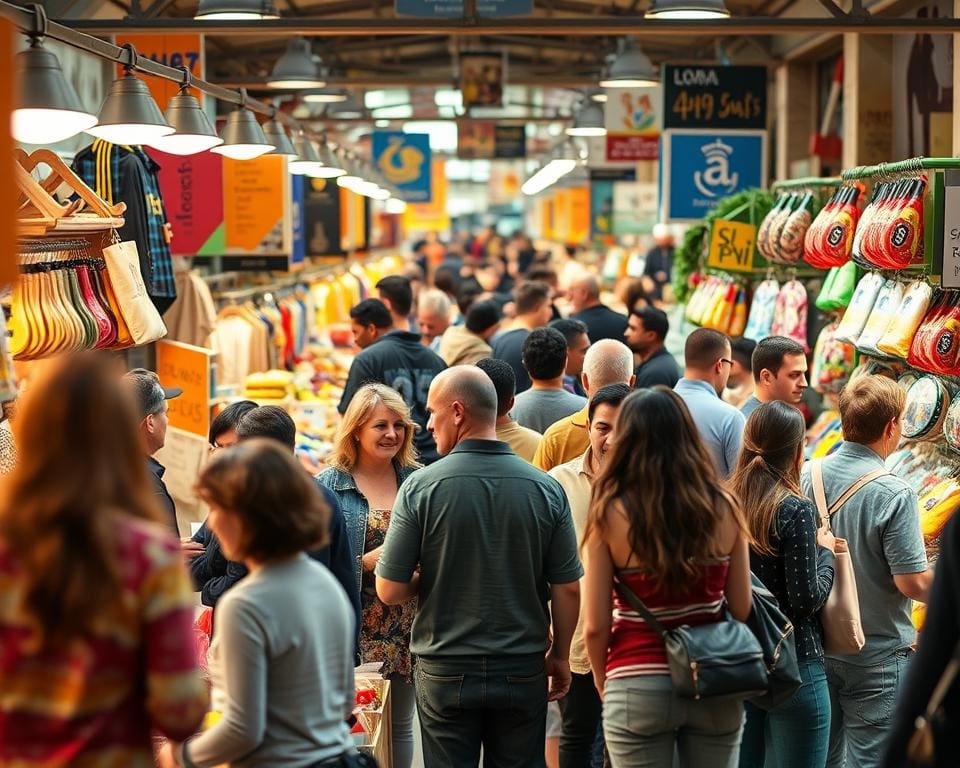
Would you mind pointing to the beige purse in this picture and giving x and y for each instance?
(139, 313)
(840, 617)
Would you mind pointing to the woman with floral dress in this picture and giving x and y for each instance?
(373, 454)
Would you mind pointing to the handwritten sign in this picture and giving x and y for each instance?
(187, 367)
(704, 96)
(732, 246)
(950, 276)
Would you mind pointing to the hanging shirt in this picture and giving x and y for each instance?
(129, 175)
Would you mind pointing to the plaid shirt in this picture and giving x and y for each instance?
(122, 173)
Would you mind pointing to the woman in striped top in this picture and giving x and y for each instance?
(97, 646)
(795, 562)
(661, 522)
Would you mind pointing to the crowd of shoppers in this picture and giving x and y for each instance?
(484, 518)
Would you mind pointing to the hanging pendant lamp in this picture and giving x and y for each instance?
(276, 134)
(326, 95)
(129, 114)
(193, 132)
(630, 68)
(235, 10)
(588, 121)
(687, 9)
(331, 167)
(47, 109)
(296, 68)
(349, 109)
(243, 138)
(307, 158)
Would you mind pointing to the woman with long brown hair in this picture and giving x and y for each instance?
(96, 612)
(661, 523)
(795, 562)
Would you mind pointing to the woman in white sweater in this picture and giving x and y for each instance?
(282, 653)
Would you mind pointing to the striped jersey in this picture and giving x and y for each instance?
(94, 702)
(635, 648)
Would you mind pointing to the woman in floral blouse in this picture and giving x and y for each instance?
(373, 454)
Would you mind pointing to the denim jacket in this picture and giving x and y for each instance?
(355, 510)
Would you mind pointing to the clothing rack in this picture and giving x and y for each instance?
(913, 165)
(807, 182)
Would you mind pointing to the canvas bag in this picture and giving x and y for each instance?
(840, 616)
(139, 314)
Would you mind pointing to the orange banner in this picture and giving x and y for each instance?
(257, 208)
(8, 261)
(175, 51)
(187, 367)
(579, 212)
(432, 216)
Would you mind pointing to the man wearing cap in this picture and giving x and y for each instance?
(151, 399)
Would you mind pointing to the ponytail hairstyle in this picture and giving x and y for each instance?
(768, 472)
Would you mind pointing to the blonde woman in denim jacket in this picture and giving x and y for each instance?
(373, 454)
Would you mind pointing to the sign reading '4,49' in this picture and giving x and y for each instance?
(703, 167)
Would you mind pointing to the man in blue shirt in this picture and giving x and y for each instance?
(707, 358)
(881, 524)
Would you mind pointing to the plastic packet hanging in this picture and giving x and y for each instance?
(900, 332)
(855, 318)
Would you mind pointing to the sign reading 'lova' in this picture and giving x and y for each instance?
(714, 97)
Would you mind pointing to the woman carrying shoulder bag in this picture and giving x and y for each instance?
(661, 523)
(795, 562)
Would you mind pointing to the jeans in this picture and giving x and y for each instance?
(797, 733)
(644, 722)
(862, 701)
(581, 711)
(499, 702)
(401, 713)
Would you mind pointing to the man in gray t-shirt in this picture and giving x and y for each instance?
(483, 540)
(546, 402)
(881, 523)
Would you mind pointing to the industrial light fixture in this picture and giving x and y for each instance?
(243, 138)
(597, 94)
(193, 132)
(307, 158)
(687, 9)
(331, 167)
(630, 68)
(352, 178)
(235, 10)
(588, 121)
(129, 115)
(326, 95)
(346, 110)
(277, 135)
(48, 108)
(563, 162)
(395, 206)
(296, 67)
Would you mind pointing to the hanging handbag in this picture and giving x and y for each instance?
(922, 747)
(139, 313)
(775, 632)
(722, 658)
(840, 616)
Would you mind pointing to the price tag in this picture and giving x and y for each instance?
(950, 275)
(187, 367)
(732, 246)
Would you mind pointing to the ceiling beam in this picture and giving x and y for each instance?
(584, 27)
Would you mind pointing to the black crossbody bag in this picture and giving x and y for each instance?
(723, 658)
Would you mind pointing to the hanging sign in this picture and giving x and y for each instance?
(510, 142)
(476, 140)
(450, 9)
(404, 161)
(634, 207)
(950, 273)
(704, 96)
(258, 214)
(601, 198)
(192, 191)
(432, 216)
(188, 368)
(632, 118)
(298, 254)
(321, 213)
(732, 246)
(175, 51)
(503, 187)
(481, 79)
(702, 167)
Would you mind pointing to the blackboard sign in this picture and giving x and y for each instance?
(510, 142)
(321, 217)
(699, 96)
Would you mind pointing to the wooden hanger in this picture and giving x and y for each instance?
(61, 173)
(40, 207)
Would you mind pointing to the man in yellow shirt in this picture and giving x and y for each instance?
(522, 440)
(607, 362)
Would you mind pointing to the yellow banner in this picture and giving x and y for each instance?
(432, 216)
(256, 204)
(732, 246)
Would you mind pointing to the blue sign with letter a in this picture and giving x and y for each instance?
(404, 160)
(700, 168)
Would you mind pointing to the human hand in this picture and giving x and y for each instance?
(559, 673)
(166, 756)
(826, 539)
(191, 548)
(600, 683)
(371, 558)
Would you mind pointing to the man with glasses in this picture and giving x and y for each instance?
(707, 356)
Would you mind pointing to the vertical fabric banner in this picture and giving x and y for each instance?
(192, 190)
(321, 213)
(432, 216)
(257, 205)
(404, 161)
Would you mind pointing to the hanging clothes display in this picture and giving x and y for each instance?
(129, 175)
(193, 316)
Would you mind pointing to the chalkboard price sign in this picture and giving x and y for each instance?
(699, 96)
